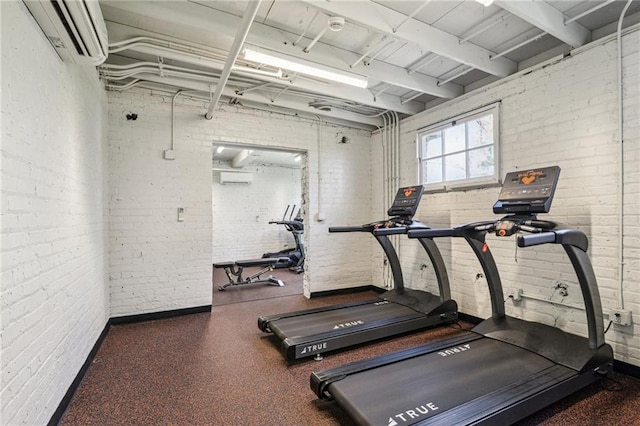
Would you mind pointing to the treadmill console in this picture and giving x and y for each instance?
(406, 201)
(528, 191)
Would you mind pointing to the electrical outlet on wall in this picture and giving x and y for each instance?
(620, 317)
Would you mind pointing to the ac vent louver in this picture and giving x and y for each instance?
(75, 28)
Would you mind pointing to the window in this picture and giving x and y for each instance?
(461, 152)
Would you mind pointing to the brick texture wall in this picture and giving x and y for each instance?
(241, 213)
(564, 113)
(54, 301)
(158, 263)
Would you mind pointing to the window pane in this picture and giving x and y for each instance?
(481, 162)
(432, 145)
(433, 170)
(455, 166)
(480, 131)
(454, 139)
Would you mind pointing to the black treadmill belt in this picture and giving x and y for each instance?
(349, 319)
(416, 389)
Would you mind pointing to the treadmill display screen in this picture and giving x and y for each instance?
(406, 201)
(528, 191)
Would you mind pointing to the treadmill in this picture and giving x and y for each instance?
(505, 368)
(313, 332)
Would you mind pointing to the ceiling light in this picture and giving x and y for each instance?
(485, 3)
(315, 70)
(220, 149)
(297, 157)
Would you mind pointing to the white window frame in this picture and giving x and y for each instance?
(467, 183)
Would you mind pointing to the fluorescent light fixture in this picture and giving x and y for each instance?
(316, 71)
(220, 149)
(485, 3)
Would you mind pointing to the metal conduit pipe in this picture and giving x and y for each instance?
(123, 87)
(517, 46)
(306, 29)
(166, 43)
(173, 118)
(124, 69)
(485, 28)
(315, 40)
(424, 64)
(385, 188)
(587, 12)
(621, 156)
(375, 55)
(365, 54)
(164, 73)
(243, 31)
(157, 43)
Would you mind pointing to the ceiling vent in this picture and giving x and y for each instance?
(76, 29)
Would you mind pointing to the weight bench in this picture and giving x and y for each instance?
(234, 271)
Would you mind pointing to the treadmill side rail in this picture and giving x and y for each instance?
(320, 380)
(263, 322)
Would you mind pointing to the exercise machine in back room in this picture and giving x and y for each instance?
(292, 258)
(505, 368)
(400, 310)
(296, 254)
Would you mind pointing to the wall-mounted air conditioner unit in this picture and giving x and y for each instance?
(234, 177)
(75, 28)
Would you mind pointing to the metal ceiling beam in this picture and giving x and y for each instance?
(241, 34)
(261, 98)
(549, 20)
(381, 19)
(207, 19)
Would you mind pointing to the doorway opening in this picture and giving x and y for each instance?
(258, 218)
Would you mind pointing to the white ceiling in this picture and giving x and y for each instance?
(414, 54)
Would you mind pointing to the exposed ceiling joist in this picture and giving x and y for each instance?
(382, 19)
(270, 38)
(548, 19)
(354, 94)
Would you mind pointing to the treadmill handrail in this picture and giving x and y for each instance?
(575, 244)
(400, 229)
(475, 234)
(357, 228)
(439, 267)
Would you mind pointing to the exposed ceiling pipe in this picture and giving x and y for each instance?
(426, 60)
(517, 46)
(621, 201)
(375, 55)
(131, 43)
(587, 12)
(373, 48)
(295, 43)
(414, 13)
(245, 25)
(315, 40)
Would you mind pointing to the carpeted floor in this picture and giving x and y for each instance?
(219, 369)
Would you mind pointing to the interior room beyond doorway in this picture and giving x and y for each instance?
(251, 187)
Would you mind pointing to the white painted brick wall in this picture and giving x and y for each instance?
(241, 213)
(158, 263)
(564, 113)
(54, 299)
